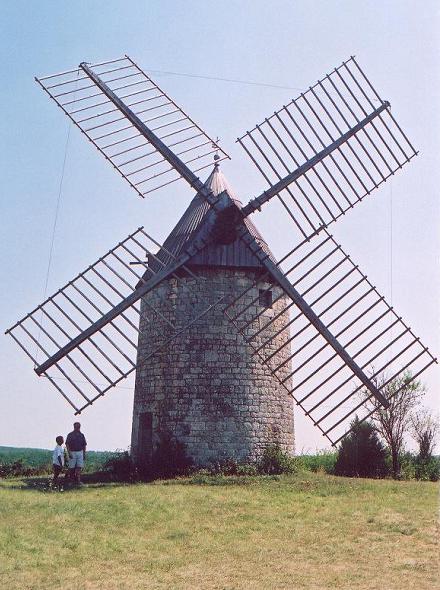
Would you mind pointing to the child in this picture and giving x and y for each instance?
(57, 459)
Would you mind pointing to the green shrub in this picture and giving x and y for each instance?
(361, 453)
(95, 460)
(225, 466)
(322, 462)
(169, 458)
(247, 470)
(407, 466)
(24, 462)
(229, 466)
(19, 468)
(415, 467)
(427, 470)
(120, 467)
(38, 458)
(275, 461)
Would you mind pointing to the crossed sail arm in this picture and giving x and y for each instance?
(326, 150)
(84, 96)
(329, 388)
(84, 338)
(320, 155)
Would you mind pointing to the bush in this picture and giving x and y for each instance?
(229, 466)
(275, 461)
(427, 470)
(407, 462)
(169, 458)
(323, 461)
(415, 467)
(225, 466)
(38, 458)
(19, 468)
(27, 462)
(361, 453)
(247, 470)
(121, 467)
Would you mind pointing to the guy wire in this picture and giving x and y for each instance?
(54, 227)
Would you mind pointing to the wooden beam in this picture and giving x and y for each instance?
(193, 180)
(255, 204)
(304, 307)
(113, 313)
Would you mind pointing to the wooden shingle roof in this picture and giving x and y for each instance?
(235, 254)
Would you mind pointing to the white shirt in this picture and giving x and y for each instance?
(58, 452)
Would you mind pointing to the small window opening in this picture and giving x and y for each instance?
(265, 298)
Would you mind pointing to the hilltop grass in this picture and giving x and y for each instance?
(309, 531)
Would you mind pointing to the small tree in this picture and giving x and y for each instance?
(424, 429)
(361, 453)
(403, 394)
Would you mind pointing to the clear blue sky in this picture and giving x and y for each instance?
(287, 43)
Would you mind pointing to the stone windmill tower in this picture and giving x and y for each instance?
(208, 390)
(221, 335)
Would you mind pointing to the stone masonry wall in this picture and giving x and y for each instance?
(206, 389)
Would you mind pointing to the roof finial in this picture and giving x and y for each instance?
(216, 155)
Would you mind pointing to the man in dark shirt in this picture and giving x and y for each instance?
(76, 447)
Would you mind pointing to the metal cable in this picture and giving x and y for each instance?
(54, 227)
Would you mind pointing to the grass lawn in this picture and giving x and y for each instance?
(304, 531)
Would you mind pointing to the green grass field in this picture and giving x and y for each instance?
(304, 531)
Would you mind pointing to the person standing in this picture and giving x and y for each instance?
(57, 460)
(76, 447)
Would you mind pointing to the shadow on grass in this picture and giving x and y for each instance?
(44, 483)
(105, 480)
(302, 481)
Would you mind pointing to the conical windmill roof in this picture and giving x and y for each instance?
(235, 254)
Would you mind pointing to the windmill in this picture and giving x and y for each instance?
(222, 335)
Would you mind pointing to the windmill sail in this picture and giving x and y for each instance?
(369, 330)
(85, 95)
(326, 150)
(84, 338)
(321, 155)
